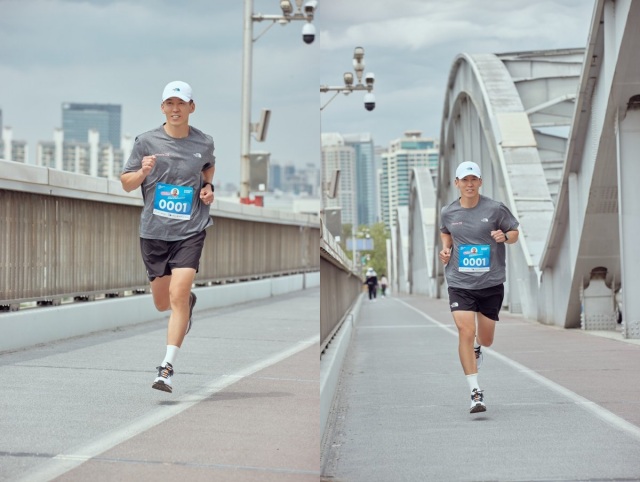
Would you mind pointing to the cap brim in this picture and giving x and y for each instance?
(186, 99)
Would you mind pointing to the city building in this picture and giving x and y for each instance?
(288, 178)
(12, 150)
(275, 177)
(92, 158)
(403, 154)
(79, 119)
(338, 156)
(365, 164)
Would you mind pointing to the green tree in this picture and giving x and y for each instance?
(377, 257)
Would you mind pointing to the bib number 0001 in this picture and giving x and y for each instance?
(473, 258)
(474, 262)
(172, 206)
(173, 201)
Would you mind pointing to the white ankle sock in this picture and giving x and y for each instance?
(172, 352)
(472, 380)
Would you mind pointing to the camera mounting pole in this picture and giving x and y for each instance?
(304, 13)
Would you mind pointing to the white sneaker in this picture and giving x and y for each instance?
(163, 380)
(477, 401)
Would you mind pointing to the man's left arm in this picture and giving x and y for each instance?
(206, 193)
(207, 174)
(512, 236)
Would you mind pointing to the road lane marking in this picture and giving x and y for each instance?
(592, 407)
(63, 463)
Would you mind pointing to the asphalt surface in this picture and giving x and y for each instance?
(562, 405)
(245, 403)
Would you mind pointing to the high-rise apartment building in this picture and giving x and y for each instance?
(92, 158)
(366, 192)
(78, 119)
(403, 154)
(336, 155)
(12, 150)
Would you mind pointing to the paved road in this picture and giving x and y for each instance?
(562, 405)
(245, 405)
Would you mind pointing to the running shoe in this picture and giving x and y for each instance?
(477, 401)
(163, 380)
(479, 357)
(192, 303)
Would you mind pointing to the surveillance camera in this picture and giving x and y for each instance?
(308, 33)
(348, 78)
(310, 7)
(286, 7)
(369, 101)
(369, 79)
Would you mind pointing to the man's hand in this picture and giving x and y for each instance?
(445, 255)
(206, 195)
(148, 162)
(498, 236)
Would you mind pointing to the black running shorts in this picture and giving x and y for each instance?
(160, 257)
(487, 301)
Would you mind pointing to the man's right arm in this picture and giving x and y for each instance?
(134, 179)
(447, 243)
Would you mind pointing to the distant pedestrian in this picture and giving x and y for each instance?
(383, 285)
(174, 166)
(474, 230)
(371, 280)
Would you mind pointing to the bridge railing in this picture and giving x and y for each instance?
(339, 287)
(65, 235)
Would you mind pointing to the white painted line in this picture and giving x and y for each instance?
(65, 462)
(595, 409)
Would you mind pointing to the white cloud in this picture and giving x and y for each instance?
(125, 52)
(411, 45)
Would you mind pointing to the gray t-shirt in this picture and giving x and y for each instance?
(171, 192)
(477, 261)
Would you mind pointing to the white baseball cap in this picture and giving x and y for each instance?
(179, 89)
(468, 168)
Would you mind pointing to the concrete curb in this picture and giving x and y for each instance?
(331, 363)
(30, 327)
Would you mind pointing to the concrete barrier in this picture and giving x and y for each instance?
(35, 326)
(331, 363)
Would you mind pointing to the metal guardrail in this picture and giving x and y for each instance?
(64, 235)
(340, 287)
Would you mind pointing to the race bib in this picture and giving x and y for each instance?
(173, 201)
(474, 258)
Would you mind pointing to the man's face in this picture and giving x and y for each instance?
(469, 186)
(177, 110)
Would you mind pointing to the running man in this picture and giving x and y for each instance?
(474, 230)
(174, 166)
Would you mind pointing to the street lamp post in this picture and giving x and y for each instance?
(369, 104)
(308, 36)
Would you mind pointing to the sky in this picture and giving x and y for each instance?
(124, 52)
(410, 46)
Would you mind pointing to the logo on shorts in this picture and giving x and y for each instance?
(454, 304)
(197, 154)
(484, 220)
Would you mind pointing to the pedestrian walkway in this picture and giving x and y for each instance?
(245, 403)
(562, 405)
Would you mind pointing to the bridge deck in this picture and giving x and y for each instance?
(561, 404)
(245, 404)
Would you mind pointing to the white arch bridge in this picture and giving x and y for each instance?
(557, 136)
